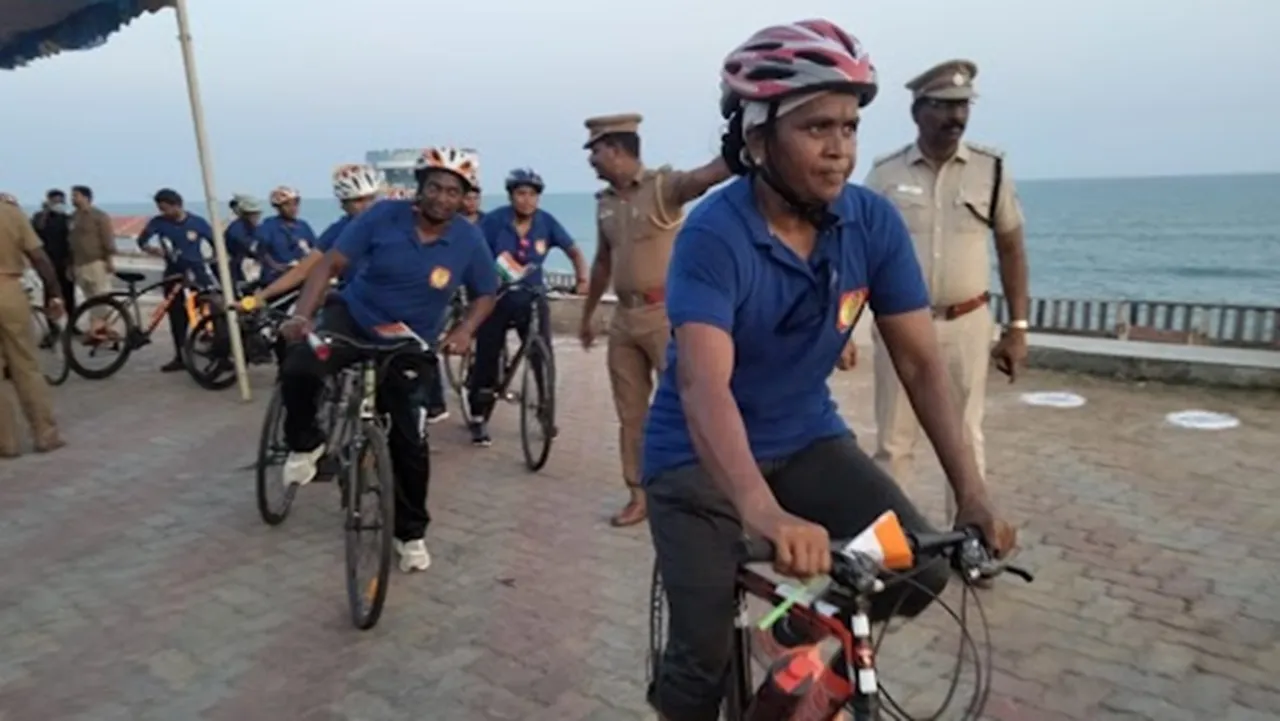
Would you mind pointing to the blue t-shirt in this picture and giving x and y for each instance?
(282, 242)
(331, 234)
(185, 243)
(399, 278)
(240, 241)
(789, 318)
(545, 233)
(329, 237)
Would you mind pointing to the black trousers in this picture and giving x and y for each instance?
(63, 267)
(514, 310)
(178, 325)
(695, 527)
(301, 378)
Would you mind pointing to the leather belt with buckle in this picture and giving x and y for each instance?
(964, 307)
(639, 299)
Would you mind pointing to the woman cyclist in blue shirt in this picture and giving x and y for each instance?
(766, 282)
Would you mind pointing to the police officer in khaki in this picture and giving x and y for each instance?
(954, 195)
(18, 245)
(637, 216)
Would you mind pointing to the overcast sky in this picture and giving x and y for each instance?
(1082, 88)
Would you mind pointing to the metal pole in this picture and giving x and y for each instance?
(211, 198)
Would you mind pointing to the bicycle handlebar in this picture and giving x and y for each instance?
(857, 570)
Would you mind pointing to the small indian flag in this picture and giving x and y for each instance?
(508, 269)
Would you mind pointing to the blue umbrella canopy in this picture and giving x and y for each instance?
(33, 29)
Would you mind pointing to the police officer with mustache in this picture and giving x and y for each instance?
(954, 195)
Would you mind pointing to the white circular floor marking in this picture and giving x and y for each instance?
(1053, 399)
(1202, 420)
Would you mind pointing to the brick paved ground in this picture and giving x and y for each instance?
(139, 584)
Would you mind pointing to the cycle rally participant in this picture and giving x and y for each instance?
(284, 238)
(183, 237)
(471, 206)
(356, 187)
(768, 278)
(520, 235)
(410, 256)
(240, 233)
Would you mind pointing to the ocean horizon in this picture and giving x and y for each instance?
(1195, 239)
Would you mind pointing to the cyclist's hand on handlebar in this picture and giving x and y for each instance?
(295, 328)
(802, 548)
(997, 534)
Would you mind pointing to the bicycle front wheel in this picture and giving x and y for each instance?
(206, 353)
(50, 350)
(537, 405)
(370, 525)
(111, 340)
(274, 497)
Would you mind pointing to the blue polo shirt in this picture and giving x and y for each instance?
(331, 233)
(401, 279)
(789, 318)
(545, 233)
(283, 242)
(240, 241)
(184, 242)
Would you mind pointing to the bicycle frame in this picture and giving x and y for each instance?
(507, 373)
(133, 297)
(850, 624)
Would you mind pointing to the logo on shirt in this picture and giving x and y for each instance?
(192, 236)
(540, 246)
(850, 308)
(440, 277)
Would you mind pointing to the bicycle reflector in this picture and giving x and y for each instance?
(885, 542)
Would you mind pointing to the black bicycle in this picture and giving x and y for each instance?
(537, 379)
(836, 674)
(206, 353)
(48, 335)
(102, 339)
(358, 439)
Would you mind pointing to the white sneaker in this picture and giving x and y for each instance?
(300, 466)
(413, 555)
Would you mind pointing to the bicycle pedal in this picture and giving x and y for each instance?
(327, 469)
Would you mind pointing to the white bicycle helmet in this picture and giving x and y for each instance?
(351, 182)
(9, 198)
(283, 194)
(462, 163)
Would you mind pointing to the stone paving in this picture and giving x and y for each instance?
(139, 584)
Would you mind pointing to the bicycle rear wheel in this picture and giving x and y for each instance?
(50, 350)
(274, 498)
(537, 404)
(111, 343)
(370, 526)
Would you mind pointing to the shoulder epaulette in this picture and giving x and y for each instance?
(890, 156)
(986, 150)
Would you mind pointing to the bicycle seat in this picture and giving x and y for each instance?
(129, 276)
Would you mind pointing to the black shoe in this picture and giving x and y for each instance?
(173, 366)
(480, 435)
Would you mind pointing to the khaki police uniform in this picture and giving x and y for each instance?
(638, 224)
(948, 210)
(18, 341)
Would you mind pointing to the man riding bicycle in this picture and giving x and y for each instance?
(409, 258)
(520, 236)
(768, 278)
(239, 235)
(284, 238)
